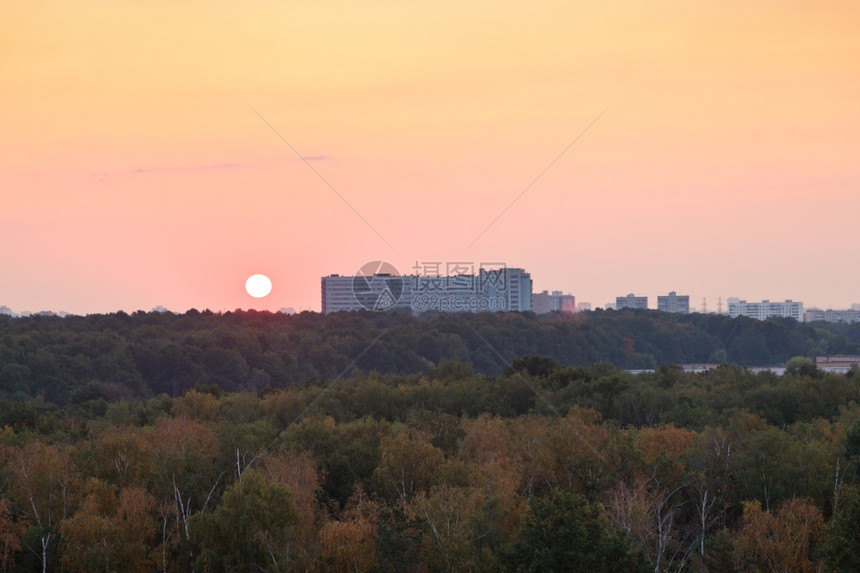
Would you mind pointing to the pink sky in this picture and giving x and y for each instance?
(135, 171)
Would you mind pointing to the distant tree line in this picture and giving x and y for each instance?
(147, 354)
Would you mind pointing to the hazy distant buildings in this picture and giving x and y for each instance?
(631, 301)
(545, 302)
(583, 306)
(503, 289)
(765, 309)
(674, 303)
(566, 302)
(540, 302)
(849, 315)
(839, 363)
(5, 310)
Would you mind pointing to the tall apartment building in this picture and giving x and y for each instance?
(503, 289)
(765, 309)
(631, 301)
(545, 302)
(375, 292)
(674, 303)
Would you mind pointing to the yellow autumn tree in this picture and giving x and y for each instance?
(775, 543)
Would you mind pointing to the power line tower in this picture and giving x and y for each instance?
(720, 305)
(704, 305)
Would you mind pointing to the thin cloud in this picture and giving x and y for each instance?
(174, 169)
(106, 175)
(315, 157)
(217, 166)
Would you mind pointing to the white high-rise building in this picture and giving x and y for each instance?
(503, 289)
(765, 309)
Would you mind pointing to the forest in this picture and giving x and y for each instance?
(162, 454)
(147, 354)
(542, 467)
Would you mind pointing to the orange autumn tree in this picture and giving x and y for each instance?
(349, 544)
(11, 531)
(111, 532)
(494, 458)
(44, 481)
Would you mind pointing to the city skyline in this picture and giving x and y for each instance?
(162, 154)
(721, 306)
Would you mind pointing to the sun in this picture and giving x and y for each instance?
(258, 286)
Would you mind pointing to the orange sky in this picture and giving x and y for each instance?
(135, 171)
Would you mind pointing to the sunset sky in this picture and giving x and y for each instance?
(138, 166)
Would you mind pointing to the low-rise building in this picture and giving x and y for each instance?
(838, 363)
(674, 303)
(545, 302)
(849, 315)
(631, 301)
(766, 309)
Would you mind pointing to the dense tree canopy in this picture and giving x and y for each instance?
(543, 467)
(146, 354)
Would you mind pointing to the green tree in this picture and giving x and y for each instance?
(801, 366)
(398, 540)
(842, 548)
(564, 532)
(250, 530)
(407, 463)
(535, 366)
